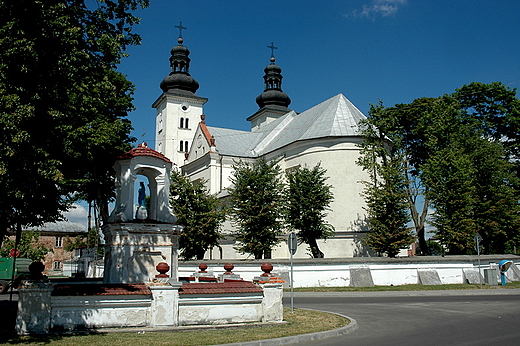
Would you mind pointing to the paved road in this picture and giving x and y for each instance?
(423, 318)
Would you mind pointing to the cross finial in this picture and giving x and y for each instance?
(272, 49)
(180, 27)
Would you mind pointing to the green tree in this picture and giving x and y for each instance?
(308, 199)
(28, 246)
(200, 212)
(460, 150)
(62, 104)
(386, 193)
(257, 206)
(472, 188)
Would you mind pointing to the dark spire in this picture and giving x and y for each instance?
(179, 78)
(273, 94)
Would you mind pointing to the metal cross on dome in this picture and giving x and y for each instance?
(180, 27)
(272, 49)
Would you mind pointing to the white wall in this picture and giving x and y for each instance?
(336, 273)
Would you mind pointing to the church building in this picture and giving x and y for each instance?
(327, 133)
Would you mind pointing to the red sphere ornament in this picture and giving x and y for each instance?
(203, 267)
(266, 268)
(162, 268)
(228, 267)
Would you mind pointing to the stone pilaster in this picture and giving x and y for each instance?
(165, 304)
(272, 302)
(34, 309)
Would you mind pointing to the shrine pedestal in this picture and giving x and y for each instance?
(133, 250)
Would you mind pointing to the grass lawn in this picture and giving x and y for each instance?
(299, 322)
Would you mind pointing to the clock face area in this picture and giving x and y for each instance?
(185, 107)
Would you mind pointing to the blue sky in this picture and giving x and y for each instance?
(369, 50)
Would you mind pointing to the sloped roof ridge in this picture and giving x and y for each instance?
(279, 126)
(334, 117)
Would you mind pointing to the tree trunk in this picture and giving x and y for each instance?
(419, 221)
(200, 254)
(422, 241)
(3, 233)
(315, 250)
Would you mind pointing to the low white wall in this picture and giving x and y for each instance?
(69, 313)
(41, 312)
(219, 309)
(336, 272)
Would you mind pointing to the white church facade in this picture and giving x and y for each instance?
(327, 133)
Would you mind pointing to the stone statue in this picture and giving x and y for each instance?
(141, 212)
(141, 195)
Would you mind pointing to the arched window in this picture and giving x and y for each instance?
(186, 123)
(181, 125)
(183, 146)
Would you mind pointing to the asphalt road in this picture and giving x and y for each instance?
(425, 318)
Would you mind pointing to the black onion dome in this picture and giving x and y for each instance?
(273, 97)
(179, 77)
(179, 81)
(273, 94)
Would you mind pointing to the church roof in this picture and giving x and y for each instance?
(335, 117)
(235, 142)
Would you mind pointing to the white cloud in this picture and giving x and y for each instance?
(378, 8)
(77, 215)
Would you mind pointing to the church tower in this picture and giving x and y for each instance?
(178, 108)
(273, 101)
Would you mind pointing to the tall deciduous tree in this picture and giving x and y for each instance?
(62, 104)
(200, 213)
(308, 199)
(386, 191)
(462, 148)
(257, 206)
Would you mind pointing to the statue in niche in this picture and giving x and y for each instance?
(141, 213)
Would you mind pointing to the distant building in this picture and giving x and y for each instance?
(56, 236)
(327, 133)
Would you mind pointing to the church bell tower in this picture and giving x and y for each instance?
(178, 109)
(273, 102)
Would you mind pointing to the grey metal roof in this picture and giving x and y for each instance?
(335, 117)
(234, 142)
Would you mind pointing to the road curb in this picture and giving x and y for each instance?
(287, 340)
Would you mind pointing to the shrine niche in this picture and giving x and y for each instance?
(157, 169)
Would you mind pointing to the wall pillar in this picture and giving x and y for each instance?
(165, 304)
(34, 309)
(272, 302)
